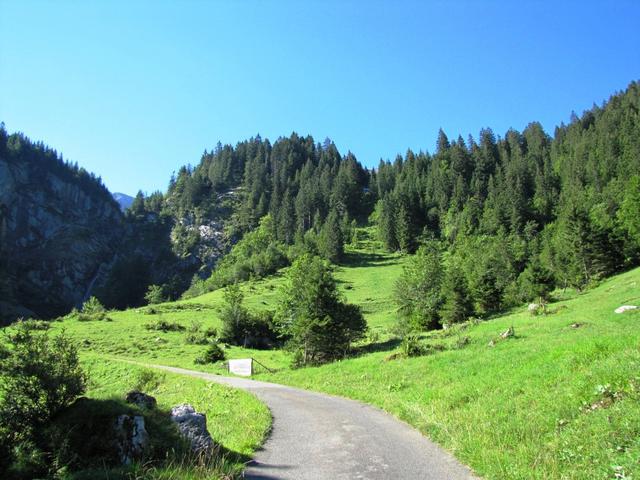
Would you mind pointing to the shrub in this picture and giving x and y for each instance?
(92, 309)
(35, 324)
(164, 326)
(197, 336)
(155, 294)
(214, 353)
(147, 380)
(39, 376)
(411, 346)
(242, 327)
(92, 306)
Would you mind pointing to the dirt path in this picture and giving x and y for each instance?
(317, 436)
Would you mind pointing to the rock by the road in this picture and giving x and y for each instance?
(193, 427)
(131, 437)
(141, 399)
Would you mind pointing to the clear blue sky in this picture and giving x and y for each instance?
(131, 90)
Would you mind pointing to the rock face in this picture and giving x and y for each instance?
(131, 437)
(140, 399)
(193, 427)
(56, 230)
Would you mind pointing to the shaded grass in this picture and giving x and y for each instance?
(236, 420)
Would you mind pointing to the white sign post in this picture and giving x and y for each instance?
(242, 367)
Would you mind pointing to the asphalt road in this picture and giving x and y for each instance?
(317, 437)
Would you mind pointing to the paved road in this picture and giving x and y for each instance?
(318, 437)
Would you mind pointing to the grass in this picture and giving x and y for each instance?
(552, 402)
(236, 420)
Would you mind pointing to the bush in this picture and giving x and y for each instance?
(197, 336)
(155, 294)
(39, 376)
(213, 354)
(35, 324)
(147, 380)
(411, 346)
(164, 326)
(92, 309)
(92, 306)
(242, 327)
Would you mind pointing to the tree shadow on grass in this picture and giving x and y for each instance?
(384, 346)
(359, 259)
(82, 436)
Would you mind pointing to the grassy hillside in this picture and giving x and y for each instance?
(366, 278)
(560, 399)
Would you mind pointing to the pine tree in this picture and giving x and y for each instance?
(319, 325)
(387, 224)
(403, 232)
(418, 291)
(629, 213)
(457, 305)
(331, 239)
(536, 281)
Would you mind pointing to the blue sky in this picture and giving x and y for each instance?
(131, 90)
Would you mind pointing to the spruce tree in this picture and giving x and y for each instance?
(320, 326)
(457, 306)
(331, 240)
(418, 291)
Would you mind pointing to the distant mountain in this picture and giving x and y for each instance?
(123, 200)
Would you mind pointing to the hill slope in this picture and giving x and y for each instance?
(528, 407)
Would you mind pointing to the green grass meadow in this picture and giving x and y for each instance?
(559, 400)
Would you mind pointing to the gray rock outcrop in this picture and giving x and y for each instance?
(55, 233)
(193, 427)
(131, 437)
(141, 399)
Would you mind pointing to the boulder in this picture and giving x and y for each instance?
(193, 427)
(510, 332)
(140, 399)
(625, 308)
(533, 307)
(131, 437)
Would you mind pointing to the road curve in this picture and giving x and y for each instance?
(316, 436)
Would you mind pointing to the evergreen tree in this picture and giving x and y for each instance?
(234, 316)
(418, 291)
(331, 239)
(403, 232)
(629, 213)
(320, 326)
(536, 281)
(387, 224)
(457, 306)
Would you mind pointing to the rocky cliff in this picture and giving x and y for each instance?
(58, 226)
